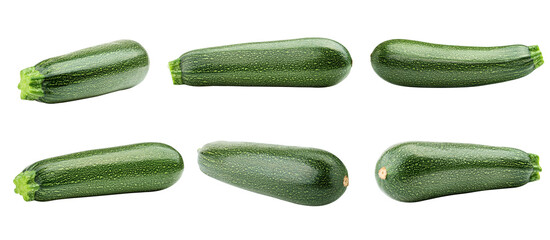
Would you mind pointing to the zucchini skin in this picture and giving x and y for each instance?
(419, 64)
(416, 171)
(305, 176)
(86, 73)
(124, 169)
(305, 62)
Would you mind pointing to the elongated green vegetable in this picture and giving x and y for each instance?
(85, 73)
(419, 64)
(306, 62)
(132, 168)
(416, 171)
(306, 176)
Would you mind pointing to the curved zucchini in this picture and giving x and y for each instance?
(306, 176)
(132, 168)
(416, 171)
(85, 73)
(419, 64)
(306, 62)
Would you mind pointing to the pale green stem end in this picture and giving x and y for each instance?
(175, 70)
(31, 84)
(536, 55)
(25, 185)
(536, 167)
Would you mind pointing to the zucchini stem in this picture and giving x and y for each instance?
(175, 69)
(536, 55)
(31, 84)
(536, 167)
(25, 185)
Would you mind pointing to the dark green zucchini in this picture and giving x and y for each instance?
(419, 64)
(416, 171)
(306, 176)
(85, 73)
(132, 168)
(306, 62)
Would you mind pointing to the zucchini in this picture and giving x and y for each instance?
(85, 73)
(306, 176)
(416, 171)
(419, 64)
(306, 62)
(131, 168)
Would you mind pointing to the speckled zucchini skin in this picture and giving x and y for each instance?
(306, 62)
(131, 168)
(419, 64)
(90, 72)
(306, 176)
(416, 171)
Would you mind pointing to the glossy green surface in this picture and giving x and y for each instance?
(85, 73)
(306, 62)
(131, 168)
(419, 64)
(416, 171)
(306, 176)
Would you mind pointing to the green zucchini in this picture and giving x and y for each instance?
(85, 73)
(306, 176)
(131, 168)
(416, 171)
(419, 64)
(306, 62)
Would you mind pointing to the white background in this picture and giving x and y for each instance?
(357, 120)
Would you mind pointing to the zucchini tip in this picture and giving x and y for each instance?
(25, 185)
